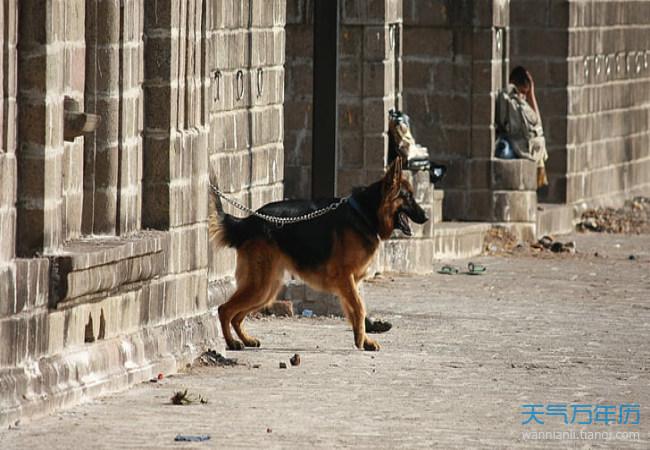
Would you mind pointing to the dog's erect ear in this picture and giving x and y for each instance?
(393, 178)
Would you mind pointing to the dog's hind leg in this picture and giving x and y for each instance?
(257, 270)
(246, 290)
(352, 302)
(237, 321)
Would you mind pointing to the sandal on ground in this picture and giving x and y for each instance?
(475, 269)
(448, 270)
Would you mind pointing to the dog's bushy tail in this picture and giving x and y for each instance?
(221, 226)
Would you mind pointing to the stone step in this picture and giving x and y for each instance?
(554, 219)
(457, 240)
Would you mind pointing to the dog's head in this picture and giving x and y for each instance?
(398, 204)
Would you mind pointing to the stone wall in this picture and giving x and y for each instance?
(608, 101)
(592, 76)
(246, 152)
(106, 282)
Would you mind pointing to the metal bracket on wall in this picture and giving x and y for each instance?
(240, 84)
(260, 82)
(216, 76)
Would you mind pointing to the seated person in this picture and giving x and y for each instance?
(519, 124)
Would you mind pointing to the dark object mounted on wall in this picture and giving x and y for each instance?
(75, 122)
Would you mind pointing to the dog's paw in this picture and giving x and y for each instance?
(235, 345)
(252, 342)
(370, 345)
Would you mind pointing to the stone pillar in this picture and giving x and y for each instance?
(370, 80)
(113, 155)
(546, 59)
(298, 112)
(40, 126)
(74, 63)
(175, 160)
(8, 87)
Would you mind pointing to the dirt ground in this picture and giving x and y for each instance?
(465, 353)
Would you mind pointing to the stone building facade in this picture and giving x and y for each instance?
(106, 274)
(589, 62)
(104, 256)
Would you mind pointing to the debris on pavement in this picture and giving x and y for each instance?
(295, 360)
(307, 313)
(184, 398)
(213, 358)
(283, 365)
(279, 308)
(192, 437)
(548, 243)
(157, 378)
(500, 240)
(633, 218)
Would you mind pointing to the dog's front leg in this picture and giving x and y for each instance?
(353, 304)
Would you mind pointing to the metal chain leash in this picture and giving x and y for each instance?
(280, 221)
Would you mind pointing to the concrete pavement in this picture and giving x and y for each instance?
(464, 355)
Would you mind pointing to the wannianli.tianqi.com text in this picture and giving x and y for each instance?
(581, 435)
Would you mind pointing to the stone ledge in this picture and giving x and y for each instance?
(41, 386)
(554, 219)
(457, 240)
(102, 265)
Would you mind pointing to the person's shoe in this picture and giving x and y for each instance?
(377, 326)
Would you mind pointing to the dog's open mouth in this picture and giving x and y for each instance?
(403, 223)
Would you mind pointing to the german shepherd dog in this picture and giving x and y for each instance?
(331, 252)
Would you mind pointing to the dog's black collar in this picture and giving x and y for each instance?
(357, 208)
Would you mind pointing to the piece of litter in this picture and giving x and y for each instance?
(160, 376)
(213, 358)
(183, 398)
(295, 360)
(283, 365)
(307, 313)
(268, 430)
(192, 437)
